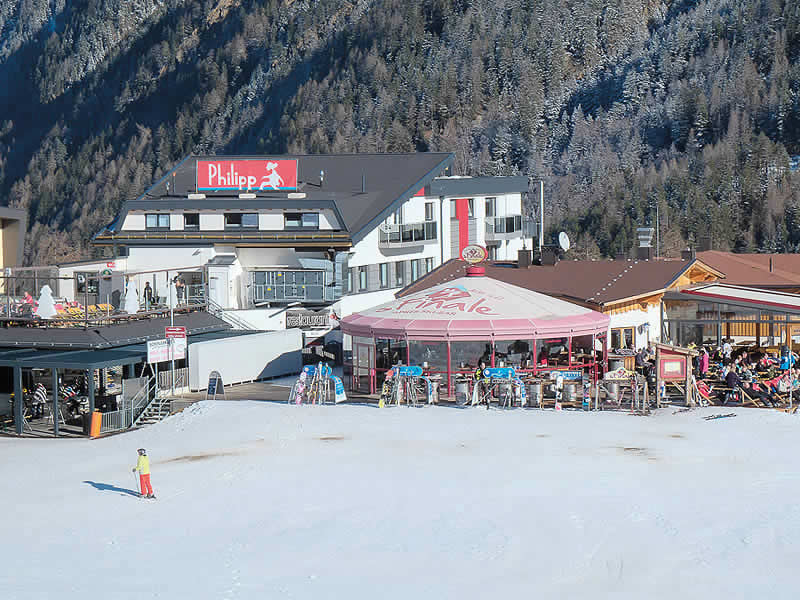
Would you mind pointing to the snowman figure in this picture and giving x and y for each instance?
(46, 308)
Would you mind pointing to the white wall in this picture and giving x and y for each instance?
(246, 358)
(358, 302)
(176, 221)
(270, 220)
(634, 318)
(212, 222)
(133, 222)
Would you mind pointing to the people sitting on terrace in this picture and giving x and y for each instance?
(754, 391)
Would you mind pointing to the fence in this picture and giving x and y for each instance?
(181, 380)
(136, 395)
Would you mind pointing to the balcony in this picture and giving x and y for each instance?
(504, 228)
(407, 234)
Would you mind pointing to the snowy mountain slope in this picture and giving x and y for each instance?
(260, 500)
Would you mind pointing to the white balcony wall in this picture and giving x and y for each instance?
(212, 222)
(328, 220)
(133, 222)
(176, 221)
(270, 221)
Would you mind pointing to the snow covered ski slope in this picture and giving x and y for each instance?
(266, 500)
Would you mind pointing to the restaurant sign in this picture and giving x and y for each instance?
(306, 319)
(224, 175)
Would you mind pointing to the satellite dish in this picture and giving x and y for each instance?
(563, 241)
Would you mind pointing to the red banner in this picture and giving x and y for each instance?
(255, 175)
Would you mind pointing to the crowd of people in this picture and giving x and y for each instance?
(739, 374)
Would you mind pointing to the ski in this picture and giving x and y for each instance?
(720, 416)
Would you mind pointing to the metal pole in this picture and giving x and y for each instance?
(171, 323)
(541, 216)
(19, 402)
(658, 233)
(90, 373)
(55, 402)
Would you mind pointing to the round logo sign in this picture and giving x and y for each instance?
(473, 254)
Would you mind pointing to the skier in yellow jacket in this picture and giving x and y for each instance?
(143, 466)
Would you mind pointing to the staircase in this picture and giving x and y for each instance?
(160, 406)
(229, 317)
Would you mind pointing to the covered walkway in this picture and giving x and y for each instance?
(76, 360)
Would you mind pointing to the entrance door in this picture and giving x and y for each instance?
(218, 286)
(363, 366)
(87, 287)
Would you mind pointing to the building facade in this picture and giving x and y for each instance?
(291, 239)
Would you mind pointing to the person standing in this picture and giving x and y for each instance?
(143, 466)
(148, 295)
(704, 362)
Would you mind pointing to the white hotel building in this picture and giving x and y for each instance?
(269, 237)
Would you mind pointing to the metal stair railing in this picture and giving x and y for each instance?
(162, 396)
(237, 322)
(131, 410)
(150, 398)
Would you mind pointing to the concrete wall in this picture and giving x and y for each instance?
(246, 358)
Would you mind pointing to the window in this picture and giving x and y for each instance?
(310, 220)
(429, 214)
(491, 207)
(301, 221)
(398, 216)
(351, 287)
(415, 266)
(157, 221)
(362, 279)
(623, 338)
(428, 265)
(241, 220)
(191, 221)
(453, 208)
(399, 273)
(383, 274)
(492, 252)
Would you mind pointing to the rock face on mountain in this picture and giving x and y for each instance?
(619, 105)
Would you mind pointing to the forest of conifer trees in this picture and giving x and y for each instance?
(619, 106)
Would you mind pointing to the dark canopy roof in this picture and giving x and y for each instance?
(109, 336)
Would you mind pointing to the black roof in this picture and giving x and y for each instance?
(387, 180)
(108, 336)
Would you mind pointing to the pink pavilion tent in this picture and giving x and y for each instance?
(475, 308)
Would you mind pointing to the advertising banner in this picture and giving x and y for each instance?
(244, 174)
(158, 350)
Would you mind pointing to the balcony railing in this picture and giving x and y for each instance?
(504, 227)
(408, 233)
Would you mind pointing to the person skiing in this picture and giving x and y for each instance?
(143, 466)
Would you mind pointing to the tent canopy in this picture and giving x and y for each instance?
(473, 308)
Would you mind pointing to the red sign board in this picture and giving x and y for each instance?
(222, 175)
(174, 332)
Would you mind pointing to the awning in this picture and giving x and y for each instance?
(475, 308)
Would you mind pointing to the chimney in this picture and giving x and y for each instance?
(704, 243)
(523, 259)
(645, 249)
(688, 254)
(549, 256)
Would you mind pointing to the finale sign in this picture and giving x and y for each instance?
(246, 174)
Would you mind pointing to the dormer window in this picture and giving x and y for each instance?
(301, 220)
(241, 221)
(157, 221)
(191, 221)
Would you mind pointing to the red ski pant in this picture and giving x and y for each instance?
(144, 484)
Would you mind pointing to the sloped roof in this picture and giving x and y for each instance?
(388, 179)
(760, 270)
(596, 282)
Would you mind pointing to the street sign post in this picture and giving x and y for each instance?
(175, 332)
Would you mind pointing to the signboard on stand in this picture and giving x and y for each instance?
(159, 350)
(215, 386)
